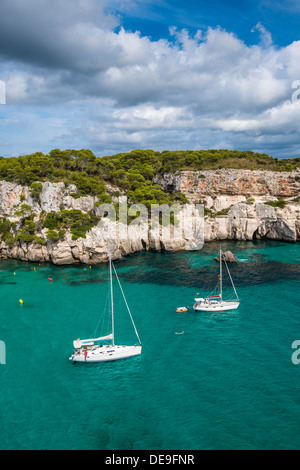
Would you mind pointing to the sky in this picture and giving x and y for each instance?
(117, 75)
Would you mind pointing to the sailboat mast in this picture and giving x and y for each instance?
(112, 302)
(137, 335)
(237, 297)
(221, 281)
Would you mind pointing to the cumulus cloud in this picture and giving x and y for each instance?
(193, 90)
(266, 37)
(283, 119)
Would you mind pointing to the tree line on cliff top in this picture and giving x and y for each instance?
(132, 172)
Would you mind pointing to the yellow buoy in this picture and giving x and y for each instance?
(21, 301)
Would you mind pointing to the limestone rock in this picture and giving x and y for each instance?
(230, 182)
(235, 210)
(228, 257)
(62, 254)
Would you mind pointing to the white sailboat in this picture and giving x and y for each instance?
(95, 349)
(216, 303)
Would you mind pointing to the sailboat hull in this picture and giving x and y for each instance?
(217, 307)
(106, 353)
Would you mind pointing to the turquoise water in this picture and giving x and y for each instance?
(227, 382)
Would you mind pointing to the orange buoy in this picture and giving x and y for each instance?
(50, 279)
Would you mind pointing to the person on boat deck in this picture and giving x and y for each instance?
(85, 352)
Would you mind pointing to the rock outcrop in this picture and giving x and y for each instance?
(233, 201)
(228, 257)
(233, 183)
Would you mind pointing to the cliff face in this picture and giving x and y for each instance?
(222, 182)
(234, 202)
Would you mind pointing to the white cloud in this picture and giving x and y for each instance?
(283, 119)
(149, 117)
(193, 90)
(265, 35)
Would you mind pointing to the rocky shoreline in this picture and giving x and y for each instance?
(238, 205)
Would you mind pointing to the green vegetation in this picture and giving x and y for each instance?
(212, 212)
(132, 172)
(57, 223)
(39, 240)
(223, 211)
(280, 203)
(24, 236)
(78, 222)
(36, 188)
(26, 231)
(209, 212)
(52, 235)
(129, 173)
(5, 231)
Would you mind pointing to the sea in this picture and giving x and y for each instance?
(203, 381)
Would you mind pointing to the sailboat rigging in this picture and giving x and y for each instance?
(216, 303)
(93, 349)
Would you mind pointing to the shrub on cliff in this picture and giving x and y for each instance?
(52, 235)
(78, 222)
(5, 226)
(9, 239)
(26, 232)
(36, 188)
(39, 240)
(50, 221)
(24, 236)
(280, 203)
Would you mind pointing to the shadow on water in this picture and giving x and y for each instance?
(177, 269)
(181, 274)
(86, 281)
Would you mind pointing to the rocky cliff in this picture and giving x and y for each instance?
(234, 203)
(233, 183)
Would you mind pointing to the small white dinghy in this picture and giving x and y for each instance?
(97, 349)
(216, 303)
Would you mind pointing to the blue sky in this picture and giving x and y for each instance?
(114, 75)
(153, 18)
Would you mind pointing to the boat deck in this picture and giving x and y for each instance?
(104, 353)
